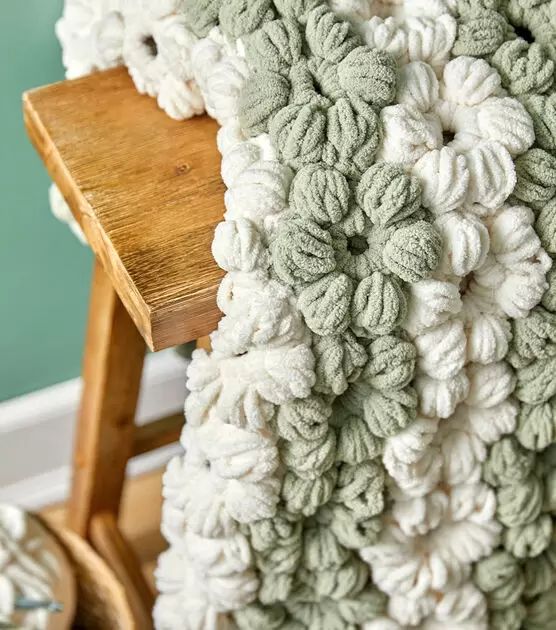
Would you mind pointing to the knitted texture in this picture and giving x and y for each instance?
(370, 442)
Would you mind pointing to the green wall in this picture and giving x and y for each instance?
(44, 271)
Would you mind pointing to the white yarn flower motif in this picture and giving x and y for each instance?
(157, 51)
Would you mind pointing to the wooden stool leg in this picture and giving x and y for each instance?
(112, 366)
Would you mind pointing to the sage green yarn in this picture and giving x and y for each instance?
(379, 305)
(508, 462)
(322, 550)
(360, 488)
(388, 412)
(355, 442)
(277, 546)
(202, 15)
(241, 17)
(353, 255)
(328, 36)
(479, 34)
(538, 574)
(529, 540)
(320, 193)
(387, 194)
(369, 74)
(541, 613)
(542, 109)
(509, 618)
(521, 467)
(297, 10)
(536, 425)
(520, 503)
(337, 583)
(536, 178)
(317, 615)
(391, 363)
(310, 458)
(298, 132)
(534, 337)
(550, 490)
(303, 419)
(500, 577)
(414, 251)
(255, 617)
(302, 251)
(338, 361)
(524, 67)
(325, 304)
(305, 496)
(549, 298)
(262, 95)
(536, 383)
(465, 7)
(545, 226)
(368, 605)
(275, 47)
(353, 530)
(354, 134)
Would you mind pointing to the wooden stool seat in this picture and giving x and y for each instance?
(147, 192)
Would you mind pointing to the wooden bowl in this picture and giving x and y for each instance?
(101, 600)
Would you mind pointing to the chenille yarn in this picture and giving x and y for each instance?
(387, 225)
(523, 52)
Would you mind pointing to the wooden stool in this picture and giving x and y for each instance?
(148, 194)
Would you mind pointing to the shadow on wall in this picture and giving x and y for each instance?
(44, 271)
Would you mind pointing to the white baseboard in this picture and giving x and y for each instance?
(36, 432)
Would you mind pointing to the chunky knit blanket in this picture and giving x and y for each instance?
(371, 442)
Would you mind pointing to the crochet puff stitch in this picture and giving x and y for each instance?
(369, 444)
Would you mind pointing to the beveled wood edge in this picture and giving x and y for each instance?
(83, 214)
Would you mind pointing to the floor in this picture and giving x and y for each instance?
(140, 518)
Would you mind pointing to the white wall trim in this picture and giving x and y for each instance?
(36, 432)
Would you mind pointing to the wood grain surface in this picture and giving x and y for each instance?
(147, 192)
(112, 367)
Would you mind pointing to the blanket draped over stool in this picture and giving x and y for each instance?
(371, 441)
